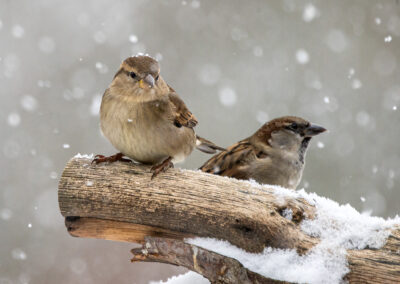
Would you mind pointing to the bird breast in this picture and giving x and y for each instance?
(283, 169)
(144, 132)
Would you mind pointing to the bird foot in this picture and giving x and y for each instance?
(162, 167)
(111, 159)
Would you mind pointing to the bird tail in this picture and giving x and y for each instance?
(207, 146)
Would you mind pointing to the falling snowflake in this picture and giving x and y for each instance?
(18, 31)
(310, 12)
(133, 38)
(302, 56)
(227, 96)
(14, 119)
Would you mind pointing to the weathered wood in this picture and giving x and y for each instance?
(120, 202)
(376, 266)
(213, 266)
(201, 204)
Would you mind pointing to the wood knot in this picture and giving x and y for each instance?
(294, 214)
(243, 228)
(69, 220)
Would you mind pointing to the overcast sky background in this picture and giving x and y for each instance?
(236, 64)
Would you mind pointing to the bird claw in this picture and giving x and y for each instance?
(162, 167)
(111, 159)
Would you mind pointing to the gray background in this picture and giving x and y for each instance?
(236, 64)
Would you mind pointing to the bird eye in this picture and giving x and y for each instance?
(132, 74)
(157, 77)
(293, 126)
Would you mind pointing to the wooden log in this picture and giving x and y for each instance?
(120, 202)
(200, 204)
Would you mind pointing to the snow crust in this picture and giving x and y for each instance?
(84, 156)
(189, 277)
(339, 227)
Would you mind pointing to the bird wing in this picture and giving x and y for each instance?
(181, 114)
(232, 162)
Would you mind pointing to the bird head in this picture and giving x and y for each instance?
(288, 133)
(139, 74)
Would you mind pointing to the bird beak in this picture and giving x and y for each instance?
(313, 130)
(147, 82)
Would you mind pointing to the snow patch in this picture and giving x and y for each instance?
(189, 277)
(339, 227)
(288, 213)
(84, 156)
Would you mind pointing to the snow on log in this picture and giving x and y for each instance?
(265, 234)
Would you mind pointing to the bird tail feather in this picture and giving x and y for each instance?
(207, 146)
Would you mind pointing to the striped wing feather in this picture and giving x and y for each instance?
(231, 162)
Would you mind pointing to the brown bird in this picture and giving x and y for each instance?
(144, 118)
(273, 155)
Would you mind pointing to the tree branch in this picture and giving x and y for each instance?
(213, 266)
(120, 202)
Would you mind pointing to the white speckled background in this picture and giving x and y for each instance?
(236, 64)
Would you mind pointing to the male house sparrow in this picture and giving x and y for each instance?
(273, 155)
(144, 118)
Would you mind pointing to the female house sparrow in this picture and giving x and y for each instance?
(273, 155)
(144, 118)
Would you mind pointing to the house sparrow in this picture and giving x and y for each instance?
(146, 120)
(273, 155)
